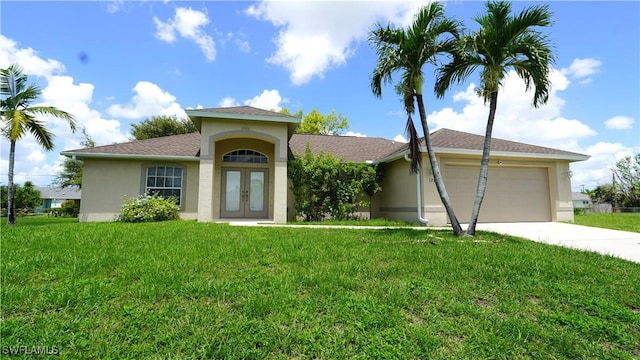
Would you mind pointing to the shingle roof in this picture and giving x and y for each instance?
(176, 145)
(58, 193)
(244, 110)
(452, 139)
(349, 148)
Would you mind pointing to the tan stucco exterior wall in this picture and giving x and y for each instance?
(107, 181)
(220, 136)
(398, 199)
(564, 200)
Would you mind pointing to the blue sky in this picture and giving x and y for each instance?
(114, 63)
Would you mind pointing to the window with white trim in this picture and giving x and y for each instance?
(245, 156)
(165, 181)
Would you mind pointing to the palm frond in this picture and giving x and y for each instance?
(43, 136)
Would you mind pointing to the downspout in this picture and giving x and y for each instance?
(419, 191)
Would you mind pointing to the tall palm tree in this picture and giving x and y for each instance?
(407, 51)
(503, 42)
(18, 118)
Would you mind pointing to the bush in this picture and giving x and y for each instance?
(324, 187)
(148, 208)
(70, 208)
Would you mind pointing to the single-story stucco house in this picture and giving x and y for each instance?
(235, 167)
(53, 197)
(581, 201)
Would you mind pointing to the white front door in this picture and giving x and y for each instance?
(244, 193)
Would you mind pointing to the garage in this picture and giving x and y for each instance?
(513, 194)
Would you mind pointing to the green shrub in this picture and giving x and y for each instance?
(70, 208)
(324, 187)
(148, 208)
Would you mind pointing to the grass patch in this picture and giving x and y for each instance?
(184, 289)
(38, 220)
(369, 222)
(615, 221)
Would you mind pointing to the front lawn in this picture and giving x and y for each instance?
(615, 221)
(184, 289)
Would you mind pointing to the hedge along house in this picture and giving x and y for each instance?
(235, 167)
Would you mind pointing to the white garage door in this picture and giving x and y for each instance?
(513, 194)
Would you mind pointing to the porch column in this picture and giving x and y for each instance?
(205, 191)
(280, 192)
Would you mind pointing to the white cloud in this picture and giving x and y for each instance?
(228, 102)
(267, 100)
(581, 68)
(400, 138)
(619, 123)
(597, 170)
(62, 93)
(188, 24)
(317, 36)
(28, 59)
(356, 134)
(150, 100)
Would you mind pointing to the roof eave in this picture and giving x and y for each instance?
(569, 157)
(451, 151)
(129, 156)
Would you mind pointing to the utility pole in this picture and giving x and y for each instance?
(615, 193)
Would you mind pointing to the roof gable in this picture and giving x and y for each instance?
(245, 110)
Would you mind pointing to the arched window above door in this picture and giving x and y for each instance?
(245, 156)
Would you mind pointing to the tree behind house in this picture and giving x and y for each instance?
(163, 125)
(315, 123)
(27, 198)
(71, 174)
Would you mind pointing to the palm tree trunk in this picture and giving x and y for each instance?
(437, 177)
(484, 166)
(11, 189)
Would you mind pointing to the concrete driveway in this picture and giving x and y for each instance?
(621, 244)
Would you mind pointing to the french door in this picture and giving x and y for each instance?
(244, 193)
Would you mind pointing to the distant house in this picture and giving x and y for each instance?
(581, 201)
(235, 167)
(53, 197)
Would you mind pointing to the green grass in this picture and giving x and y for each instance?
(369, 222)
(616, 221)
(191, 290)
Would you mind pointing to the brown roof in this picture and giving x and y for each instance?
(175, 145)
(349, 148)
(244, 110)
(452, 139)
